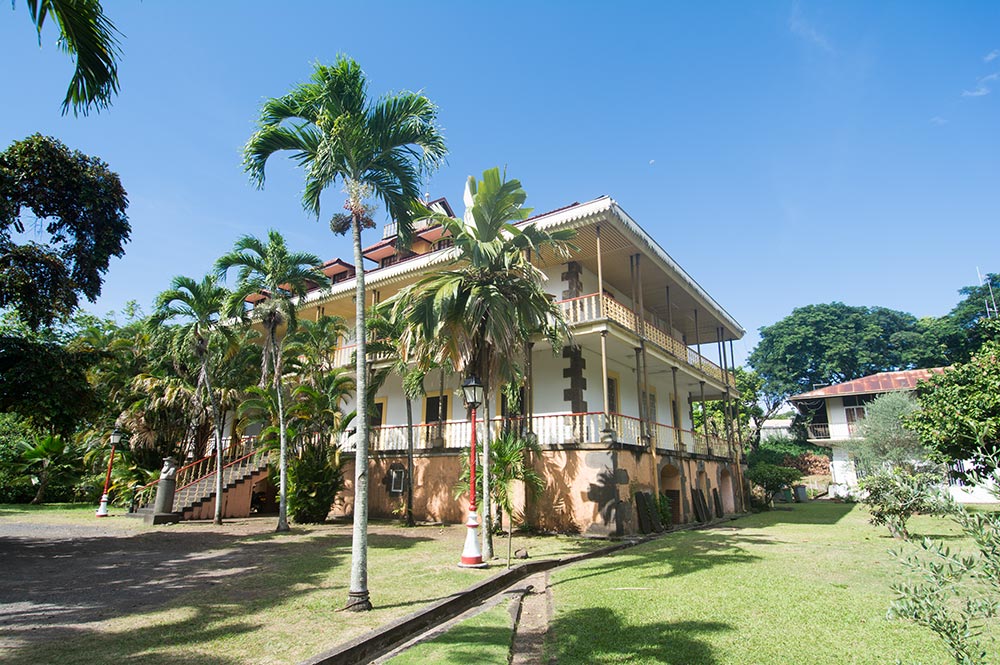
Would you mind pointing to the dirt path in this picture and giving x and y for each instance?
(60, 577)
(532, 625)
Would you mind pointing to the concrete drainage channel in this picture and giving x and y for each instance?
(382, 641)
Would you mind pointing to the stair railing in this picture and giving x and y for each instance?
(201, 468)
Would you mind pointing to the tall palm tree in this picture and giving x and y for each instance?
(84, 32)
(310, 349)
(199, 304)
(477, 315)
(269, 269)
(377, 150)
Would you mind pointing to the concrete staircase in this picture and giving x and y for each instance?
(196, 484)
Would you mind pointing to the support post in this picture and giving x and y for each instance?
(675, 412)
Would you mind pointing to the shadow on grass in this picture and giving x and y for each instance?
(674, 555)
(598, 635)
(56, 594)
(811, 512)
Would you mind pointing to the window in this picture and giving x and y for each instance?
(443, 243)
(376, 418)
(612, 393)
(397, 480)
(434, 407)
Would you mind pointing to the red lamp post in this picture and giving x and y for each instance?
(116, 438)
(472, 557)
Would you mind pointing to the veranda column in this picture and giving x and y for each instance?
(675, 411)
(636, 319)
(606, 434)
(704, 411)
(697, 337)
(650, 439)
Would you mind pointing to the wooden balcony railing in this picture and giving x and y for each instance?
(590, 308)
(550, 429)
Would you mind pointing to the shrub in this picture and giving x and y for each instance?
(783, 451)
(894, 496)
(315, 476)
(663, 508)
(772, 478)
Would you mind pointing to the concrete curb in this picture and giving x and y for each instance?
(381, 641)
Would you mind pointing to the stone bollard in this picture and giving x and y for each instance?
(163, 505)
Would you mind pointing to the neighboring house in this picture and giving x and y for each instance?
(775, 427)
(836, 410)
(642, 333)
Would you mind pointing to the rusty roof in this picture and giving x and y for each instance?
(882, 382)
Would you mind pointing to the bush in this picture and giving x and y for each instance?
(894, 496)
(663, 508)
(772, 478)
(782, 451)
(314, 476)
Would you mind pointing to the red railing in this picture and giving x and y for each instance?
(199, 468)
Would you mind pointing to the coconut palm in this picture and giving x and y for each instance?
(477, 315)
(268, 269)
(200, 305)
(377, 150)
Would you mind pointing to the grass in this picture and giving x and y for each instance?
(483, 638)
(238, 593)
(803, 584)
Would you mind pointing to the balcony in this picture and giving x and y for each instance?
(819, 431)
(591, 308)
(551, 430)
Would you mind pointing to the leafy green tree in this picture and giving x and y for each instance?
(885, 441)
(88, 35)
(832, 343)
(772, 479)
(80, 203)
(477, 315)
(46, 382)
(200, 305)
(14, 486)
(959, 414)
(895, 495)
(959, 329)
(376, 150)
(50, 458)
(269, 269)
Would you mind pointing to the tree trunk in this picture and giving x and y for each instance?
(283, 438)
(43, 483)
(358, 598)
(409, 462)
(218, 439)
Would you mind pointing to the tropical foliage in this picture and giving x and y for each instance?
(80, 205)
(478, 316)
(376, 150)
(896, 494)
(91, 38)
(268, 269)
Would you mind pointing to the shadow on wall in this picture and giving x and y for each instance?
(553, 510)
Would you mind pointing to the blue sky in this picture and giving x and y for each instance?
(783, 153)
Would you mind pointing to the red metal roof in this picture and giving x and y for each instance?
(883, 382)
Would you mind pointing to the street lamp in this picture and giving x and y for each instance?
(472, 556)
(116, 438)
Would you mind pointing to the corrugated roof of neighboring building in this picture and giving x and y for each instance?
(882, 382)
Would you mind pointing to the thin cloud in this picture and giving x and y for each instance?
(806, 30)
(939, 121)
(992, 55)
(989, 77)
(981, 91)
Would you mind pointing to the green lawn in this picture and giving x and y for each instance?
(802, 584)
(483, 638)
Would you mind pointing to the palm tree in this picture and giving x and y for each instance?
(85, 32)
(377, 150)
(269, 269)
(50, 457)
(476, 316)
(309, 351)
(200, 304)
